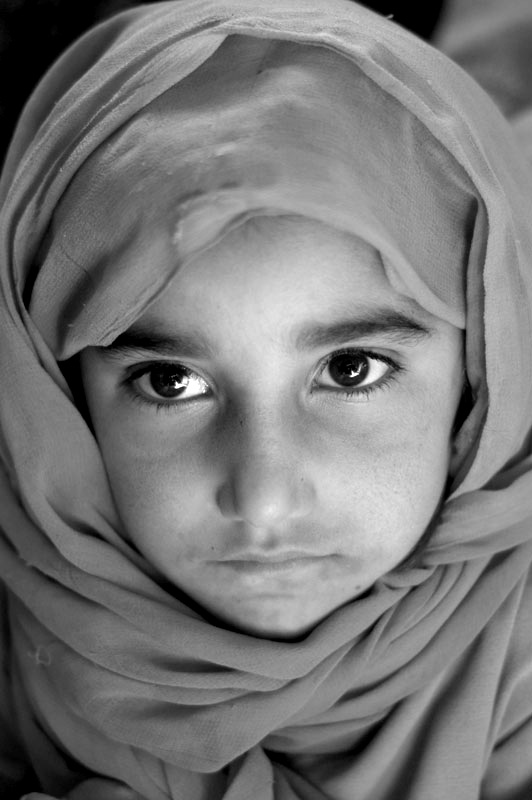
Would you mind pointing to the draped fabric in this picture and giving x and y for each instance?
(182, 119)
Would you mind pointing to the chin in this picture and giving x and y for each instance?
(280, 626)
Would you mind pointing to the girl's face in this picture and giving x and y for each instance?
(276, 427)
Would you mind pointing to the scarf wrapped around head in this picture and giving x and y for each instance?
(153, 136)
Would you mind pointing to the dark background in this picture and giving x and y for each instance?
(34, 32)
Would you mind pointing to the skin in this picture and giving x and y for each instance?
(262, 453)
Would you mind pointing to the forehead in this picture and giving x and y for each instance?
(277, 272)
(276, 252)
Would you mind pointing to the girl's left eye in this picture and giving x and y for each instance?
(356, 372)
(162, 383)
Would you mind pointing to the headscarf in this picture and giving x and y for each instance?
(154, 135)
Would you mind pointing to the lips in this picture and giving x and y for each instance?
(289, 567)
(270, 558)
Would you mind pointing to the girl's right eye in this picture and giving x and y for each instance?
(164, 383)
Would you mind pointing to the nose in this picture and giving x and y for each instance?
(266, 481)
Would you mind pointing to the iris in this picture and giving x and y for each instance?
(348, 369)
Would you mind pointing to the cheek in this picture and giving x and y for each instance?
(385, 481)
(160, 482)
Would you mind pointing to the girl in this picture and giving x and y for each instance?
(266, 406)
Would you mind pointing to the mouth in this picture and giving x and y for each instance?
(275, 565)
(269, 558)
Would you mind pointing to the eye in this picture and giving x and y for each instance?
(354, 369)
(168, 382)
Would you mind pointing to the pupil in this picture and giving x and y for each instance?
(348, 370)
(168, 381)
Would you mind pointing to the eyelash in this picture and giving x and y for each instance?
(362, 392)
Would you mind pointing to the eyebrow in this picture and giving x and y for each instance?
(142, 339)
(390, 326)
